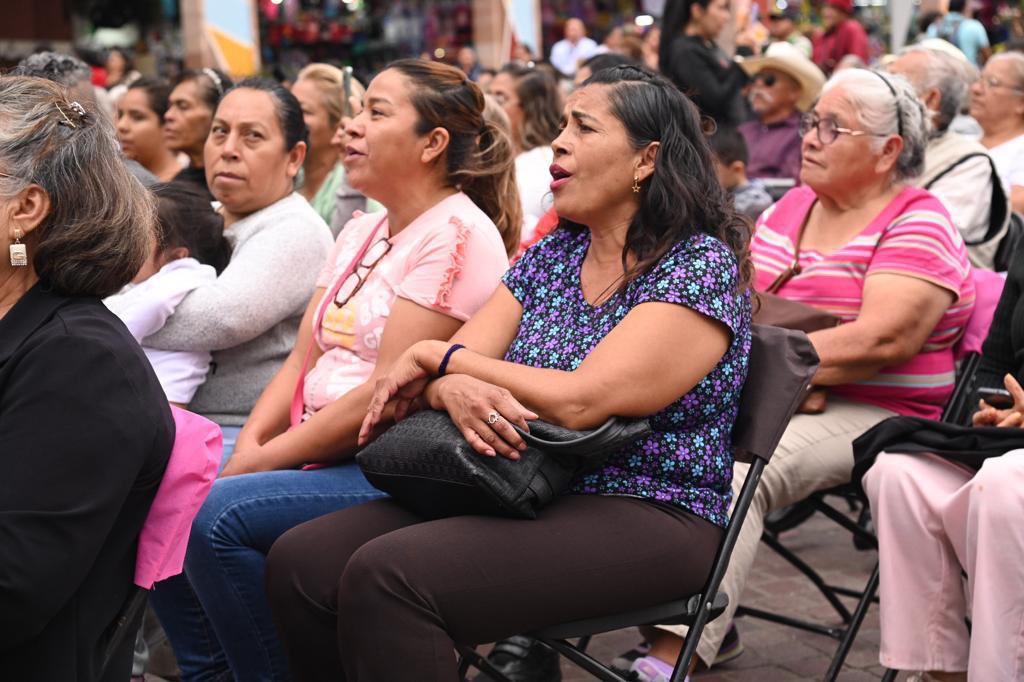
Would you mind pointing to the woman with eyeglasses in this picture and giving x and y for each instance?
(997, 104)
(857, 241)
(412, 272)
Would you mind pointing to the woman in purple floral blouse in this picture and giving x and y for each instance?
(636, 306)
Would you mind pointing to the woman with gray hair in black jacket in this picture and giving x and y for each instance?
(85, 430)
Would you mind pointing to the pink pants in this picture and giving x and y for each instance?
(936, 521)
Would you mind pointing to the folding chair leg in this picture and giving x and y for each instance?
(838, 517)
(469, 656)
(812, 575)
(689, 648)
(843, 650)
(583, 660)
(703, 615)
(463, 668)
(890, 675)
(806, 626)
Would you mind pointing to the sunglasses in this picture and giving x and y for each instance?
(354, 282)
(766, 79)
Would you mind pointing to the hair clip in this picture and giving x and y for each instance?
(78, 110)
(212, 75)
(67, 121)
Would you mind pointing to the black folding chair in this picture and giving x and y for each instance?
(1010, 246)
(958, 410)
(777, 187)
(782, 363)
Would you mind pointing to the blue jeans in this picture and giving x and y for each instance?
(230, 435)
(216, 615)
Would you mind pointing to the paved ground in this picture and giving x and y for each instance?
(774, 653)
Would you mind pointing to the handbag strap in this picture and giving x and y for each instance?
(794, 268)
(298, 402)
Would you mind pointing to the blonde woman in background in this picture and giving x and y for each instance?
(320, 90)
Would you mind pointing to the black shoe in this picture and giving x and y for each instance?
(523, 659)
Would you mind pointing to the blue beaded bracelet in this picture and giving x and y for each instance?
(443, 367)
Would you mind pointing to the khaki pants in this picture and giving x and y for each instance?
(815, 453)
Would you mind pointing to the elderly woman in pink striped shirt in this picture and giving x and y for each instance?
(856, 240)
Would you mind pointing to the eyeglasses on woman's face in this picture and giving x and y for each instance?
(992, 83)
(827, 129)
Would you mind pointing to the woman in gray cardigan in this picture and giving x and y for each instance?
(250, 315)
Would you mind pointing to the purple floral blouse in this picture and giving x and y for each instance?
(687, 459)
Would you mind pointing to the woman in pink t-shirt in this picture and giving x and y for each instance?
(416, 271)
(856, 241)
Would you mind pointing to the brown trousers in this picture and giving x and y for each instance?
(375, 594)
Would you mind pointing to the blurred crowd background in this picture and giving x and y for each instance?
(119, 38)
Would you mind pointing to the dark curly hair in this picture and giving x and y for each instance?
(682, 197)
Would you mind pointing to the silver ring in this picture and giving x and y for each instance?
(493, 418)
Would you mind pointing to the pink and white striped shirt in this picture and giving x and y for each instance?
(912, 236)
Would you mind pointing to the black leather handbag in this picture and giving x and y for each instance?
(425, 464)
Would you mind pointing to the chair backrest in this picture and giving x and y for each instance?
(1010, 244)
(782, 364)
(187, 480)
(776, 187)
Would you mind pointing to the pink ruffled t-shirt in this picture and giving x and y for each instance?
(449, 259)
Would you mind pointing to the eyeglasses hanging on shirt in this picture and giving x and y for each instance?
(350, 287)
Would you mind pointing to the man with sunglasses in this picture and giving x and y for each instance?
(785, 82)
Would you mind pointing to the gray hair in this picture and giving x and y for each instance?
(60, 68)
(951, 77)
(101, 221)
(1016, 60)
(871, 99)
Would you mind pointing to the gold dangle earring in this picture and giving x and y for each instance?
(19, 256)
(636, 183)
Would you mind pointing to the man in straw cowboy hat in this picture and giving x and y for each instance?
(785, 83)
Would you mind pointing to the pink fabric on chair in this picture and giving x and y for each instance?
(988, 287)
(186, 483)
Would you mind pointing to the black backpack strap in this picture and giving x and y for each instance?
(998, 209)
(957, 163)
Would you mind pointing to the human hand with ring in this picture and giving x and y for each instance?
(484, 414)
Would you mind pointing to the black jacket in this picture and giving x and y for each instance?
(968, 445)
(85, 435)
(712, 80)
(1003, 350)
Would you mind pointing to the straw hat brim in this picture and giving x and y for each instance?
(802, 70)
